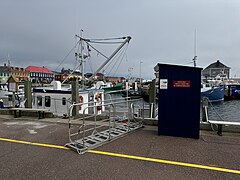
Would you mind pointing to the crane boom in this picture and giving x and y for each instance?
(127, 39)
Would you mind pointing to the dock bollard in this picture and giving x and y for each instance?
(219, 132)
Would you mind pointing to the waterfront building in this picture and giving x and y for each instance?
(4, 74)
(114, 79)
(60, 76)
(19, 73)
(40, 74)
(215, 69)
(67, 74)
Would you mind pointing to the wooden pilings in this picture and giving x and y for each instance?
(75, 96)
(204, 109)
(152, 98)
(28, 93)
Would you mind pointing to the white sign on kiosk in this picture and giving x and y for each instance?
(163, 83)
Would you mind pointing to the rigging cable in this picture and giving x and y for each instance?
(121, 60)
(88, 56)
(76, 54)
(90, 64)
(67, 56)
(120, 55)
(117, 55)
(96, 50)
(88, 41)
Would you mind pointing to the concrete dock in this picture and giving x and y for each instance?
(34, 149)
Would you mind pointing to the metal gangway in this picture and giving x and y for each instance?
(117, 118)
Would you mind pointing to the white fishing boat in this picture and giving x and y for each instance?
(57, 99)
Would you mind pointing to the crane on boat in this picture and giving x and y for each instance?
(126, 40)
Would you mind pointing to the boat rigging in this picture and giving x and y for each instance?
(108, 59)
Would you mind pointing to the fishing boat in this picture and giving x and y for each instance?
(112, 87)
(231, 87)
(58, 98)
(213, 93)
(232, 91)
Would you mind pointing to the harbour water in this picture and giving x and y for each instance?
(226, 110)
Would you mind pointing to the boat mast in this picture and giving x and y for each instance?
(195, 48)
(82, 58)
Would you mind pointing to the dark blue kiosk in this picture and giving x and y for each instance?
(179, 94)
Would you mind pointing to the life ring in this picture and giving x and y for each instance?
(98, 98)
(80, 102)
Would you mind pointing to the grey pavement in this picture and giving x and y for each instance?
(20, 161)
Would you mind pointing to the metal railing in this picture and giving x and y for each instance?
(87, 131)
(219, 123)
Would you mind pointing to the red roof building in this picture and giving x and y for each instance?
(39, 69)
(40, 74)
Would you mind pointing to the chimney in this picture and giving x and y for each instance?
(218, 62)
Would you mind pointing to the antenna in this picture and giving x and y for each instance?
(195, 48)
(8, 60)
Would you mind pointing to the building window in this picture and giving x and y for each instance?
(39, 100)
(47, 101)
(64, 101)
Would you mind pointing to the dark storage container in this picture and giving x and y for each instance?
(179, 94)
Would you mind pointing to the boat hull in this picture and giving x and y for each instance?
(117, 87)
(214, 94)
(232, 91)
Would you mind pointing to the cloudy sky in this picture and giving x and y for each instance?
(41, 33)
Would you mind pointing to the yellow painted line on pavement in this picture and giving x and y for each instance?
(131, 157)
(33, 143)
(166, 162)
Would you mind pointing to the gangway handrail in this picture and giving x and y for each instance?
(133, 107)
(113, 129)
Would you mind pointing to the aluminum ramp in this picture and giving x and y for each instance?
(98, 139)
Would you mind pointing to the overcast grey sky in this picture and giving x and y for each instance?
(41, 33)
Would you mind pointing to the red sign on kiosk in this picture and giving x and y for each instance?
(181, 84)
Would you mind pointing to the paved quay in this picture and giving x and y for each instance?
(34, 149)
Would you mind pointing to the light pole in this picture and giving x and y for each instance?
(130, 73)
(141, 72)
